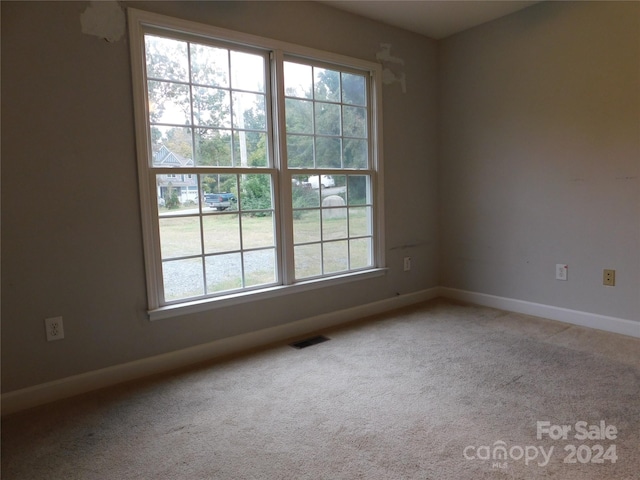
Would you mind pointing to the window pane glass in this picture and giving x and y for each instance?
(355, 153)
(177, 194)
(300, 151)
(259, 267)
(357, 189)
(180, 236)
(299, 116)
(250, 149)
(318, 181)
(308, 260)
(360, 254)
(327, 119)
(211, 107)
(213, 147)
(221, 233)
(219, 192)
(359, 221)
(335, 256)
(223, 272)
(354, 121)
(166, 59)
(182, 279)
(249, 111)
(169, 103)
(353, 89)
(340, 182)
(306, 226)
(171, 147)
(256, 192)
(327, 84)
(303, 196)
(209, 65)
(247, 71)
(328, 151)
(297, 80)
(219, 201)
(334, 221)
(257, 230)
(333, 207)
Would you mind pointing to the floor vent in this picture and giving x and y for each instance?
(307, 342)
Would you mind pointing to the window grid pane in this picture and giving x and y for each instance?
(217, 233)
(207, 100)
(212, 172)
(332, 226)
(332, 112)
(332, 109)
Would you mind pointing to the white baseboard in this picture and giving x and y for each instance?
(77, 384)
(574, 317)
(67, 387)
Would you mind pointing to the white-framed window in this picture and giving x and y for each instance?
(259, 164)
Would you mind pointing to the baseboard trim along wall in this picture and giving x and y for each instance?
(77, 384)
(574, 317)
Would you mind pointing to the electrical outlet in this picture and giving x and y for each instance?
(609, 278)
(54, 328)
(562, 271)
(407, 264)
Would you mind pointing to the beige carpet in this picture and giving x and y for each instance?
(426, 392)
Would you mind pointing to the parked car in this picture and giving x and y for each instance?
(325, 180)
(298, 183)
(219, 201)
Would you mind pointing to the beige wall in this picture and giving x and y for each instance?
(71, 233)
(538, 164)
(540, 156)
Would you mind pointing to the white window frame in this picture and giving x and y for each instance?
(139, 21)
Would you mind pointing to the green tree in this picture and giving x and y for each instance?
(171, 63)
(255, 194)
(172, 201)
(178, 141)
(315, 133)
(303, 198)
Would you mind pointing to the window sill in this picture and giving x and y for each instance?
(198, 306)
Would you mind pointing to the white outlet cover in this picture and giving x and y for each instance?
(54, 328)
(562, 271)
(407, 264)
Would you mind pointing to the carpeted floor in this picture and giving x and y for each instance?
(428, 392)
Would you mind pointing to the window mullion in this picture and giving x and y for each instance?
(285, 213)
(156, 294)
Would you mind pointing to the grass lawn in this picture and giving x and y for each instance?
(221, 240)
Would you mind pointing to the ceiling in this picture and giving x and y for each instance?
(434, 18)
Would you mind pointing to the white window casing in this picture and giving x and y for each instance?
(344, 239)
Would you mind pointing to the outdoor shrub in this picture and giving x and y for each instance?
(303, 197)
(172, 201)
(256, 194)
